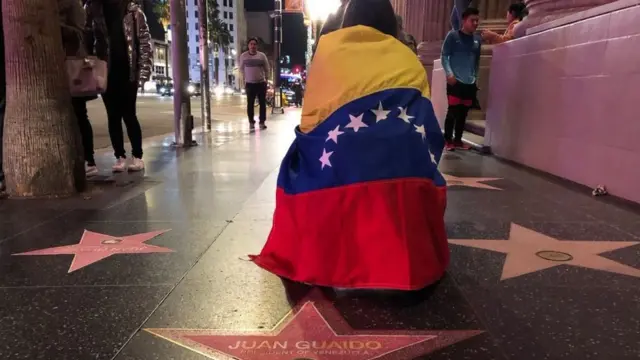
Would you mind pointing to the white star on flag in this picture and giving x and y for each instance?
(324, 159)
(356, 123)
(333, 134)
(381, 113)
(404, 116)
(433, 157)
(420, 130)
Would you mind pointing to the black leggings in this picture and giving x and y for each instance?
(120, 102)
(86, 131)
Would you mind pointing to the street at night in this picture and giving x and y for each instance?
(155, 114)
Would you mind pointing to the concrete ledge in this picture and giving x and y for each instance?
(583, 15)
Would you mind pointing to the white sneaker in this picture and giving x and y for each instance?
(137, 165)
(120, 166)
(91, 171)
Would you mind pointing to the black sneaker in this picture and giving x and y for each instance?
(252, 127)
(263, 126)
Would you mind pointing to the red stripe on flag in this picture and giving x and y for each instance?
(383, 235)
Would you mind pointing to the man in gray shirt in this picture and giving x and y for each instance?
(254, 67)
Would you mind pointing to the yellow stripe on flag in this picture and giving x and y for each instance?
(355, 62)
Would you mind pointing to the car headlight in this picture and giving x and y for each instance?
(191, 89)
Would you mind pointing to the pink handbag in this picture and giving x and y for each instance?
(87, 76)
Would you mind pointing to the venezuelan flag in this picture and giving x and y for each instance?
(360, 202)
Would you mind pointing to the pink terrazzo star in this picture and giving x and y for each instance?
(94, 247)
(314, 329)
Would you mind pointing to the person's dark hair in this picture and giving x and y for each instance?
(253, 39)
(519, 10)
(470, 11)
(378, 14)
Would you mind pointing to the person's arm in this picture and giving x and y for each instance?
(478, 53)
(491, 37)
(445, 56)
(267, 69)
(144, 43)
(241, 64)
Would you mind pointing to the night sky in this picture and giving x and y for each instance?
(294, 41)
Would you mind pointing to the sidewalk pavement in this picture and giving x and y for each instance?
(540, 269)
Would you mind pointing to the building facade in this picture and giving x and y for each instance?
(231, 14)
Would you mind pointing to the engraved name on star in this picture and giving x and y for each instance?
(404, 116)
(529, 251)
(324, 159)
(381, 113)
(333, 134)
(356, 123)
(313, 329)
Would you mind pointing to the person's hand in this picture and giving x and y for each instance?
(451, 80)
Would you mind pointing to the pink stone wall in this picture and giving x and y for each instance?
(567, 101)
(439, 92)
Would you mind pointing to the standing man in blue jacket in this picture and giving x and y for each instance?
(461, 60)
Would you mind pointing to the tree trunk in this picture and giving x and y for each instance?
(216, 64)
(41, 138)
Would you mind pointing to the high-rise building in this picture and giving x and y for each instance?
(232, 14)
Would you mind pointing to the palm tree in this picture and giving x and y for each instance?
(220, 37)
(162, 9)
(42, 154)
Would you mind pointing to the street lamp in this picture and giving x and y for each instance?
(319, 10)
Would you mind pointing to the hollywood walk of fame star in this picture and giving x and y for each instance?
(333, 134)
(404, 116)
(324, 159)
(356, 123)
(381, 113)
(94, 247)
(313, 330)
(470, 182)
(420, 130)
(529, 251)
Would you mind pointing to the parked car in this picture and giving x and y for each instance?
(166, 90)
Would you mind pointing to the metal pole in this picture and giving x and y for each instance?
(277, 25)
(183, 120)
(205, 90)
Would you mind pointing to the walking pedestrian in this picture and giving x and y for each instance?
(298, 93)
(123, 26)
(461, 60)
(254, 66)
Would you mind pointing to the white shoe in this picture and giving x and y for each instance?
(91, 171)
(137, 165)
(120, 166)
